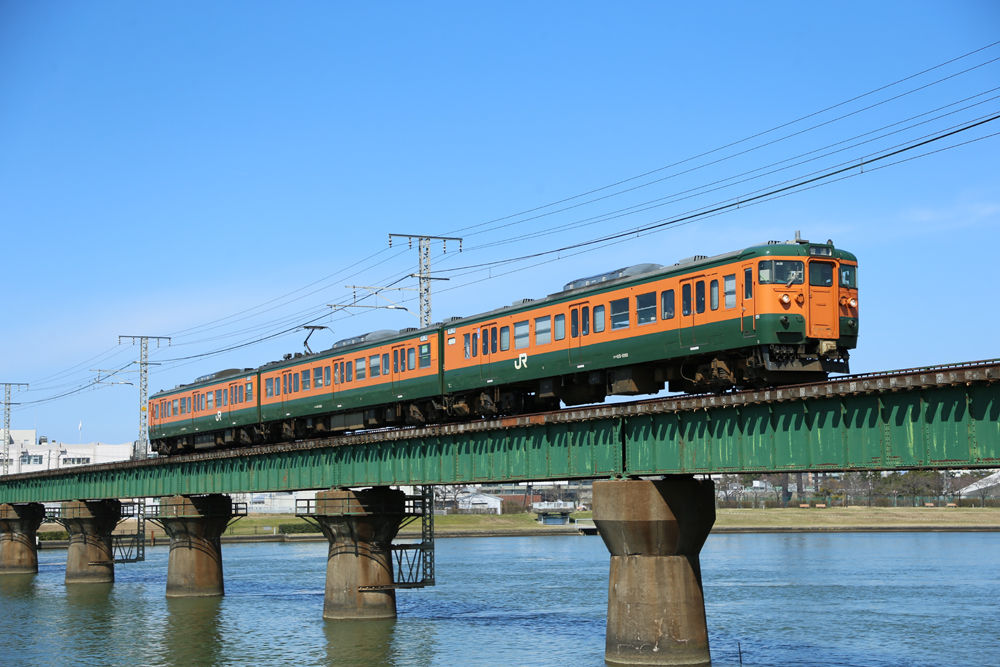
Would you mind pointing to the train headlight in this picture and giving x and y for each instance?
(853, 303)
(785, 299)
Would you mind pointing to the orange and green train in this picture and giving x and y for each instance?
(779, 313)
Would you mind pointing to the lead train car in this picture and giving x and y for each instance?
(777, 313)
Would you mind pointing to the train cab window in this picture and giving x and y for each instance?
(468, 352)
(574, 323)
(504, 339)
(348, 371)
(699, 296)
(475, 343)
(543, 330)
(295, 382)
(486, 341)
(619, 314)
(326, 375)
(645, 308)
(713, 295)
(493, 342)
(781, 271)
(521, 335)
(747, 284)
(686, 299)
(599, 316)
(306, 380)
(729, 290)
(360, 368)
(249, 392)
(425, 353)
(821, 274)
(848, 276)
(411, 359)
(559, 327)
(585, 320)
(667, 304)
(385, 364)
(318, 377)
(375, 365)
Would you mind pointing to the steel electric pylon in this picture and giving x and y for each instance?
(7, 388)
(424, 275)
(141, 449)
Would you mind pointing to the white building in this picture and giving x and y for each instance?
(27, 453)
(480, 503)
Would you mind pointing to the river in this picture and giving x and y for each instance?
(879, 599)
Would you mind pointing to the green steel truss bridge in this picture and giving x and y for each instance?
(936, 417)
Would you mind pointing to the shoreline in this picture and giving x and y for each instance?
(552, 531)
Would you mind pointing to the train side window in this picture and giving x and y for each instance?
(686, 299)
(486, 341)
(175, 407)
(574, 323)
(729, 289)
(295, 382)
(218, 398)
(699, 296)
(559, 327)
(521, 335)
(239, 391)
(375, 364)
(385, 364)
(475, 343)
(748, 283)
(585, 320)
(210, 403)
(411, 359)
(468, 352)
(619, 314)
(425, 354)
(326, 375)
(667, 304)
(493, 340)
(348, 371)
(318, 377)
(336, 373)
(395, 355)
(599, 319)
(645, 308)
(713, 295)
(225, 396)
(306, 380)
(543, 330)
(249, 391)
(360, 368)
(504, 339)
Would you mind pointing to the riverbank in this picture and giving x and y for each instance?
(289, 528)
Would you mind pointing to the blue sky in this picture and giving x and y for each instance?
(218, 172)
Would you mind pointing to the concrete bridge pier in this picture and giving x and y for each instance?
(195, 525)
(360, 526)
(90, 558)
(655, 531)
(19, 524)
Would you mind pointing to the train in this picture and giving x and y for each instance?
(777, 313)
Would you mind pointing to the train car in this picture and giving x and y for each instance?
(776, 313)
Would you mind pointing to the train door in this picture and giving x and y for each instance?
(579, 330)
(489, 341)
(748, 307)
(398, 361)
(691, 288)
(824, 319)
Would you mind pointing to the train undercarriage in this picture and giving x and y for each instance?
(756, 367)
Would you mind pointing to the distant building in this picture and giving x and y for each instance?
(28, 453)
(479, 503)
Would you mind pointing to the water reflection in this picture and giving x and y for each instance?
(192, 634)
(15, 586)
(359, 642)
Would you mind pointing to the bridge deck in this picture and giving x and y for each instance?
(939, 417)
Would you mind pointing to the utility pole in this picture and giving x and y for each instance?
(424, 252)
(141, 449)
(7, 387)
